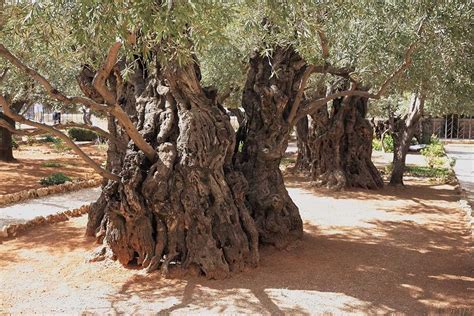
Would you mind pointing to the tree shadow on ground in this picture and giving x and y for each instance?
(56, 238)
(405, 269)
(436, 192)
(392, 265)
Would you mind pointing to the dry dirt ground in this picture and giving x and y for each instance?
(402, 250)
(29, 167)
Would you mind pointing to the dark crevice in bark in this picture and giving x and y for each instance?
(304, 156)
(6, 140)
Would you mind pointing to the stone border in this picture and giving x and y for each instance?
(15, 230)
(466, 206)
(40, 192)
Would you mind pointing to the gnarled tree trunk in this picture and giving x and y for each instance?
(341, 146)
(270, 89)
(6, 141)
(188, 206)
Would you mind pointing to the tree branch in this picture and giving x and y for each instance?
(314, 105)
(304, 79)
(115, 109)
(36, 131)
(99, 81)
(53, 92)
(226, 94)
(18, 118)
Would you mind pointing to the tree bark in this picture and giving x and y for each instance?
(304, 155)
(270, 90)
(188, 207)
(341, 146)
(404, 130)
(6, 141)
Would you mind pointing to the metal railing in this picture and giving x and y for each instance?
(453, 127)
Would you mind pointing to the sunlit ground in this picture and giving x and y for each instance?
(395, 250)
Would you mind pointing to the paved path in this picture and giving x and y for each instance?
(52, 204)
(464, 167)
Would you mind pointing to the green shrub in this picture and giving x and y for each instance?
(15, 144)
(452, 162)
(30, 140)
(51, 139)
(434, 153)
(55, 179)
(59, 146)
(376, 144)
(81, 134)
(388, 143)
(52, 164)
(440, 174)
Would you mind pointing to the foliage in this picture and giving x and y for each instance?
(81, 134)
(55, 179)
(51, 139)
(30, 140)
(15, 144)
(439, 174)
(285, 162)
(60, 147)
(434, 153)
(102, 146)
(376, 144)
(452, 162)
(52, 164)
(387, 144)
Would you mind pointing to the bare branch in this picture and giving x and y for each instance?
(11, 129)
(226, 94)
(115, 109)
(96, 129)
(53, 92)
(294, 107)
(329, 69)
(314, 105)
(18, 118)
(101, 76)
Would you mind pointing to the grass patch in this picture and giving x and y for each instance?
(435, 174)
(52, 164)
(59, 146)
(55, 179)
(387, 144)
(285, 162)
(427, 172)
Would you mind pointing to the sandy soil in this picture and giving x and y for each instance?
(28, 169)
(396, 250)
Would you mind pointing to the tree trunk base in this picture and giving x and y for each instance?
(188, 207)
(341, 148)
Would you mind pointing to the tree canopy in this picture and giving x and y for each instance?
(368, 37)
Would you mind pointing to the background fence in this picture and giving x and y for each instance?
(453, 127)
